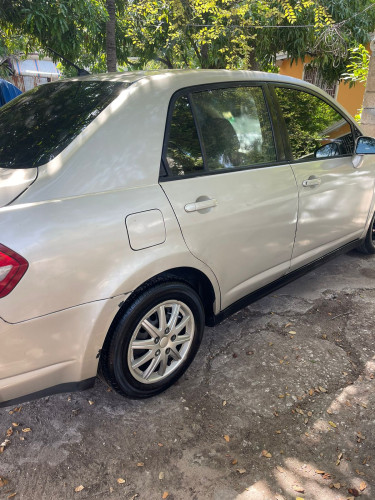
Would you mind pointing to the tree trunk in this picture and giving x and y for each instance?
(111, 36)
(252, 62)
(368, 113)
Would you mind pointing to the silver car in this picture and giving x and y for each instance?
(136, 208)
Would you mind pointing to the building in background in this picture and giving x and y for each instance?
(31, 72)
(349, 97)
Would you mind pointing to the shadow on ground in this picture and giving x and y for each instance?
(279, 403)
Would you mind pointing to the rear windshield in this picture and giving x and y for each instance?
(38, 125)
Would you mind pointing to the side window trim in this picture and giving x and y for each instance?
(278, 133)
(283, 127)
(280, 123)
(187, 91)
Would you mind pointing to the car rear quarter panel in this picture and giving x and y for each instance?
(78, 250)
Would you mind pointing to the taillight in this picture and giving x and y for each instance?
(12, 268)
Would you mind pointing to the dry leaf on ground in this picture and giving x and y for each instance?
(161, 475)
(3, 482)
(298, 488)
(354, 492)
(362, 486)
(227, 438)
(140, 464)
(3, 445)
(241, 471)
(79, 488)
(266, 454)
(165, 495)
(120, 480)
(18, 409)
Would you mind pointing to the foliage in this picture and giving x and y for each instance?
(329, 38)
(358, 66)
(237, 34)
(249, 33)
(74, 28)
(358, 116)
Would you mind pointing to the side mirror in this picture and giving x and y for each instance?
(365, 146)
(331, 149)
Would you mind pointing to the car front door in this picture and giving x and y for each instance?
(234, 197)
(335, 188)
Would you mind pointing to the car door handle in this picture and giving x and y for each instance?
(200, 205)
(312, 181)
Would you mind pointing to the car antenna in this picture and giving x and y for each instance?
(80, 71)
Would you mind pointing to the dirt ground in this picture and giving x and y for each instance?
(279, 404)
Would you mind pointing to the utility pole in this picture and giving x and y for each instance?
(368, 113)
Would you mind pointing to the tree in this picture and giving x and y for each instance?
(111, 36)
(74, 28)
(335, 26)
(238, 34)
(248, 34)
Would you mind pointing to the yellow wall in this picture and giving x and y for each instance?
(350, 98)
(295, 69)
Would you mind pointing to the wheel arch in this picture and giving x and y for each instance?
(192, 276)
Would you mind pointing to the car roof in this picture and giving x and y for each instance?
(175, 79)
(190, 76)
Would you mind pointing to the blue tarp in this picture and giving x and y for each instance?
(8, 92)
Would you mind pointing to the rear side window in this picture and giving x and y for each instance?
(38, 125)
(315, 129)
(184, 154)
(219, 129)
(235, 127)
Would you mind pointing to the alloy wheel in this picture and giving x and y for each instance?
(161, 341)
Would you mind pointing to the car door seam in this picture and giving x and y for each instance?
(183, 237)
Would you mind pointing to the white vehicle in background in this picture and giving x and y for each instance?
(136, 208)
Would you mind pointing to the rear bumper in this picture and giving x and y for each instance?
(54, 353)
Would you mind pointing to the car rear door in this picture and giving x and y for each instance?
(335, 192)
(233, 193)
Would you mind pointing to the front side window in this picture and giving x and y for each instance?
(36, 126)
(235, 127)
(315, 129)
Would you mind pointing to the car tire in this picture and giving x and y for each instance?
(368, 244)
(154, 341)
